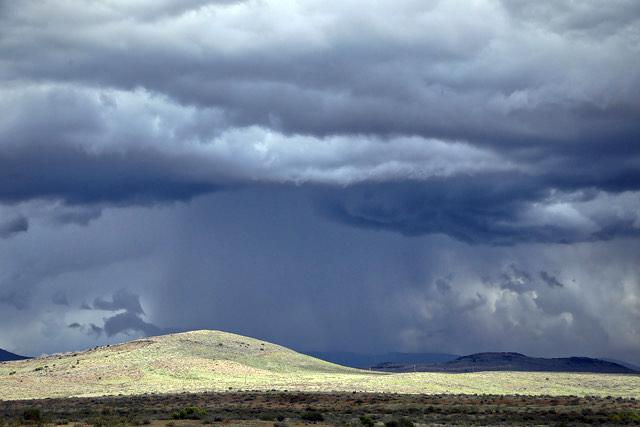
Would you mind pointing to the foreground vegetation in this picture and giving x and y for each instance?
(213, 361)
(339, 409)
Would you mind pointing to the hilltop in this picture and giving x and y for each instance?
(215, 361)
(510, 362)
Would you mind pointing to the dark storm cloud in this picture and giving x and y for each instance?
(90, 330)
(121, 300)
(472, 210)
(535, 86)
(550, 280)
(60, 298)
(95, 330)
(125, 322)
(515, 279)
(443, 284)
(499, 209)
(129, 322)
(438, 82)
(78, 177)
(18, 299)
(81, 217)
(14, 226)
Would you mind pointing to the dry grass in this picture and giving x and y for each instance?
(213, 361)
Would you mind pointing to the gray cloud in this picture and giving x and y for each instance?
(121, 300)
(95, 330)
(126, 322)
(60, 298)
(13, 227)
(81, 178)
(317, 102)
(90, 329)
(550, 280)
(129, 322)
(592, 19)
(78, 216)
(515, 280)
(501, 209)
(18, 299)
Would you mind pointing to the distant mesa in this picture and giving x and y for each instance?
(510, 362)
(6, 356)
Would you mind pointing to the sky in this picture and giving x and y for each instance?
(369, 176)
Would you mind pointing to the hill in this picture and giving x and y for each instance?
(7, 355)
(510, 362)
(623, 363)
(190, 361)
(214, 361)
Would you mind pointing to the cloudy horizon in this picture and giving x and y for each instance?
(452, 176)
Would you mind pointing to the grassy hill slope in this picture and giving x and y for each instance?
(190, 361)
(216, 361)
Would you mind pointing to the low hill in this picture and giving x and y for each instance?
(623, 363)
(7, 355)
(510, 362)
(214, 361)
(190, 361)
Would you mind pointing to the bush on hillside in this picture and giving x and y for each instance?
(402, 422)
(32, 415)
(189, 413)
(313, 416)
(367, 422)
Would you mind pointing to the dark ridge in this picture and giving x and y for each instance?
(510, 362)
(6, 356)
(620, 362)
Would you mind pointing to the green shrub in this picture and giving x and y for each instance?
(402, 422)
(624, 417)
(32, 415)
(189, 413)
(366, 421)
(313, 416)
